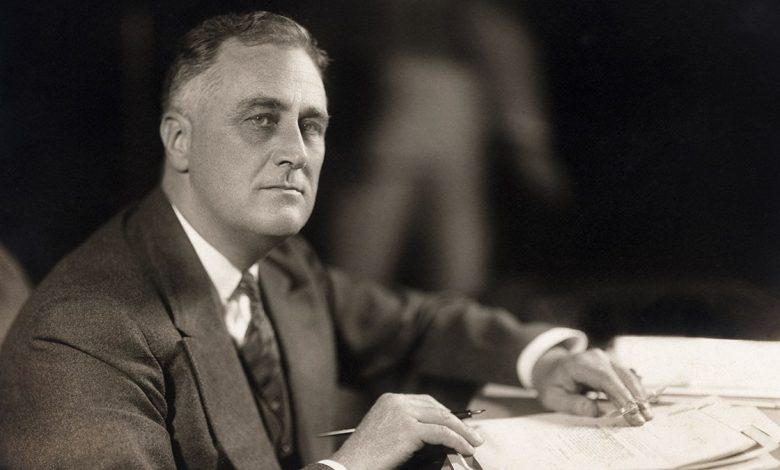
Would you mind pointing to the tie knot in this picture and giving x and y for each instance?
(248, 286)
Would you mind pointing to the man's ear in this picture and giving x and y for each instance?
(176, 135)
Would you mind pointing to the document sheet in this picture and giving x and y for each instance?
(704, 366)
(684, 434)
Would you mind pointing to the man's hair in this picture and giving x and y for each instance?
(197, 50)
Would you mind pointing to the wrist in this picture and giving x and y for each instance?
(347, 458)
(546, 363)
(573, 340)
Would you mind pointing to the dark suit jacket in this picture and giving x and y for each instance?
(121, 358)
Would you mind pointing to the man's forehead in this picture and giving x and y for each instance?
(269, 57)
(275, 68)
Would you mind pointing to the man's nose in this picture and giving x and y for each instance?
(291, 149)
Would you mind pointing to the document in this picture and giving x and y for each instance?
(704, 366)
(685, 434)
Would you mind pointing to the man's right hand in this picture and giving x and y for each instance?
(397, 426)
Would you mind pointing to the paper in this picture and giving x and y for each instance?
(762, 462)
(681, 435)
(724, 367)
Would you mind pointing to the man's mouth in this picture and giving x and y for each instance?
(285, 187)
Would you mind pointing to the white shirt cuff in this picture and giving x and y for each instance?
(333, 465)
(576, 341)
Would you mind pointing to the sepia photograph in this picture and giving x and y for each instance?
(415, 234)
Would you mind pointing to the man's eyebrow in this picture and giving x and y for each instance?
(260, 101)
(316, 113)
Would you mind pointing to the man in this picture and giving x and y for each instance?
(197, 330)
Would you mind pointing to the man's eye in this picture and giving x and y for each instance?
(313, 128)
(263, 120)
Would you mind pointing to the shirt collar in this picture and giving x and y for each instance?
(221, 271)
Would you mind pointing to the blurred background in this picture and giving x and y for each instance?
(610, 165)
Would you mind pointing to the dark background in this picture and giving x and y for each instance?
(666, 113)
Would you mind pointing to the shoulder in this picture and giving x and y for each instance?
(103, 270)
(92, 297)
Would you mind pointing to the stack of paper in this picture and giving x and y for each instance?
(700, 434)
(744, 372)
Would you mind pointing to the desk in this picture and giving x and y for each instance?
(500, 407)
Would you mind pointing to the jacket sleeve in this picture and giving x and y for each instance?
(81, 390)
(446, 335)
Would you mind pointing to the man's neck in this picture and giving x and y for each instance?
(241, 251)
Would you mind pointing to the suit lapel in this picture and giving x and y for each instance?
(307, 344)
(195, 310)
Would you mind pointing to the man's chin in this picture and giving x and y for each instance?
(284, 227)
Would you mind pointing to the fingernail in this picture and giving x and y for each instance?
(470, 450)
(477, 437)
(646, 411)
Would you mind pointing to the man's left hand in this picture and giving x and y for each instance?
(562, 378)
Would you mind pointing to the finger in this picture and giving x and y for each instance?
(443, 417)
(437, 434)
(424, 399)
(427, 400)
(594, 368)
(559, 399)
(406, 401)
(634, 384)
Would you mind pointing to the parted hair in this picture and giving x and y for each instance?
(197, 50)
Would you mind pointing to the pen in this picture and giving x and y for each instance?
(458, 414)
(467, 413)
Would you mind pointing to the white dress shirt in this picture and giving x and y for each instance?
(225, 278)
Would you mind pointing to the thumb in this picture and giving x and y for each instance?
(558, 399)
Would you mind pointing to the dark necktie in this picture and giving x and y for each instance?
(261, 358)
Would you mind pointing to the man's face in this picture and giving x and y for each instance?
(258, 142)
